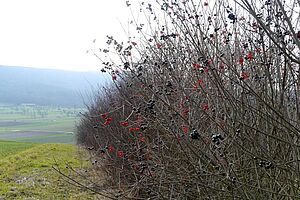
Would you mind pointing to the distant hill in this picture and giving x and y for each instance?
(47, 86)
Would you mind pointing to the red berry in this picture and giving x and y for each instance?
(205, 106)
(111, 149)
(185, 129)
(241, 60)
(120, 154)
(125, 123)
(104, 115)
(250, 56)
(244, 75)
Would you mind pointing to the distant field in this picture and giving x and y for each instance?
(32, 123)
(26, 171)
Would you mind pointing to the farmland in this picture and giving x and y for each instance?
(44, 124)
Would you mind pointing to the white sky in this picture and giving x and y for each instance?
(57, 33)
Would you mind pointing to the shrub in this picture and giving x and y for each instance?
(204, 105)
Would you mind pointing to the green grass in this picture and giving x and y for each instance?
(29, 174)
(10, 147)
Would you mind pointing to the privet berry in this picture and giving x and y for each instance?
(195, 135)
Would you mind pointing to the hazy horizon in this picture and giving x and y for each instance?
(47, 86)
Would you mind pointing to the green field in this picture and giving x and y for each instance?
(32, 123)
(26, 171)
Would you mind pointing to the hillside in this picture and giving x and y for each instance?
(27, 171)
(46, 86)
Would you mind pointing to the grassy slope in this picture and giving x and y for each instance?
(29, 173)
(9, 148)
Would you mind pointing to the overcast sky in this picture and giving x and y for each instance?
(57, 33)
